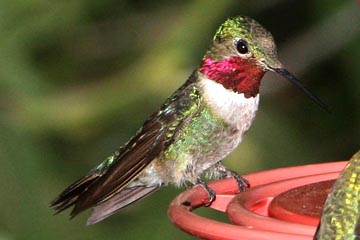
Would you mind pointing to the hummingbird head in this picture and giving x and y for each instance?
(242, 51)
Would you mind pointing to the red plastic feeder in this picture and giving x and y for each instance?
(284, 203)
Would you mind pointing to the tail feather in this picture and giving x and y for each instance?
(119, 201)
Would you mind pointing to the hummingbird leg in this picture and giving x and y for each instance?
(209, 191)
(227, 173)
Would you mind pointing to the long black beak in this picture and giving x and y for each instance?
(285, 73)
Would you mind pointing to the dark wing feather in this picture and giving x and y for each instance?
(152, 139)
(71, 194)
(137, 154)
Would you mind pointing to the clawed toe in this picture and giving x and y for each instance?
(243, 183)
(210, 192)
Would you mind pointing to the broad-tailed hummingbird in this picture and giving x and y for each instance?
(193, 131)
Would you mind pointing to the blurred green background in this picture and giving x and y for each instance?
(78, 78)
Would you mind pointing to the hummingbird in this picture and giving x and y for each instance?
(193, 131)
(341, 214)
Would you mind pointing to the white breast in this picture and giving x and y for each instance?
(234, 108)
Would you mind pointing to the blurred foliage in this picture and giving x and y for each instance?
(77, 79)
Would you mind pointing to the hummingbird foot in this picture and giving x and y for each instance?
(243, 183)
(209, 191)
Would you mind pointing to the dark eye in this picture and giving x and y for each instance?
(242, 46)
